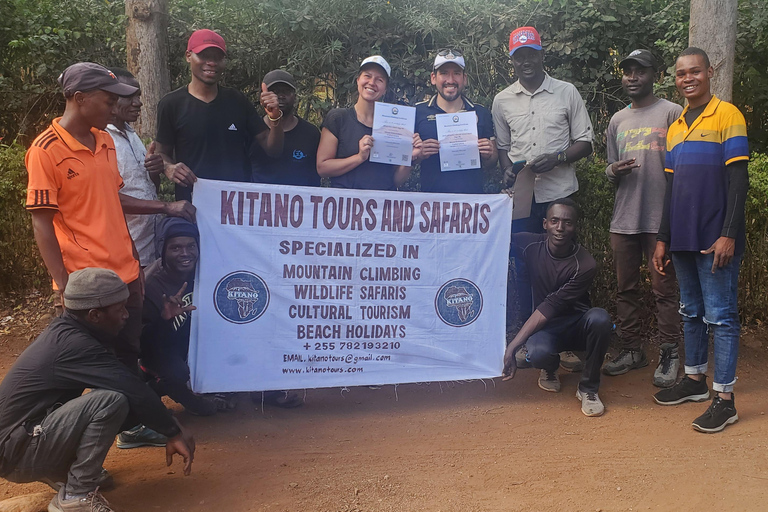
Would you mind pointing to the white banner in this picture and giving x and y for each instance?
(302, 287)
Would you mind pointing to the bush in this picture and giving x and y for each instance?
(595, 197)
(21, 267)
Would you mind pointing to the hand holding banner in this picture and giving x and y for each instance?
(302, 287)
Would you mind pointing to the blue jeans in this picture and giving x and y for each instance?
(709, 301)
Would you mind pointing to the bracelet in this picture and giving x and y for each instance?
(277, 118)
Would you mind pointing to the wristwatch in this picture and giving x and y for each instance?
(562, 157)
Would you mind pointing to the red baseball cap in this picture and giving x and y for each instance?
(524, 37)
(204, 38)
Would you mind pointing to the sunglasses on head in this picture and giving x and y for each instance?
(450, 53)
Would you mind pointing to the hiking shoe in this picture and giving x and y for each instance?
(687, 390)
(570, 362)
(521, 358)
(718, 416)
(104, 482)
(591, 405)
(92, 502)
(549, 381)
(625, 361)
(140, 436)
(669, 364)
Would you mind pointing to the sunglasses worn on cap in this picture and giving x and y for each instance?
(450, 53)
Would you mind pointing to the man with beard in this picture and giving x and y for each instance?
(450, 80)
(297, 164)
(636, 148)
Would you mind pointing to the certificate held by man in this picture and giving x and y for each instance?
(393, 127)
(457, 135)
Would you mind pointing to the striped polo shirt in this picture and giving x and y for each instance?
(698, 156)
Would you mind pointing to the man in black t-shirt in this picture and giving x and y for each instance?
(297, 164)
(561, 273)
(205, 130)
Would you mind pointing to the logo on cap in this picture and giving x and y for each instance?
(459, 302)
(241, 297)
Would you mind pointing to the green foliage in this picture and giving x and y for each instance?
(41, 38)
(595, 197)
(753, 279)
(322, 43)
(20, 265)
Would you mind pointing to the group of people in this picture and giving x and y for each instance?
(123, 262)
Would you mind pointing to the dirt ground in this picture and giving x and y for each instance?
(450, 447)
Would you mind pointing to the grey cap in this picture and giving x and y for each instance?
(278, 76)
(87, 76)
(93, 288)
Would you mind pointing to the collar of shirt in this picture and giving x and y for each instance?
(102, 138)
(468, 105)
(546, 85)
(714, 102)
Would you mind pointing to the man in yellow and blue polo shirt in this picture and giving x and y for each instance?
(702, 227)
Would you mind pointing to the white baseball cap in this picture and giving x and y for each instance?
(449, 57)
(378, 60)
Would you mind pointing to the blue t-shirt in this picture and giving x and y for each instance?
(698, 156)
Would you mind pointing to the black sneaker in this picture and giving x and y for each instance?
(140, 436)
(687, 390)
(718, 416)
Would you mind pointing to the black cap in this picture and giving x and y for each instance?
(87, 76)
(279, 76)
(642, 57)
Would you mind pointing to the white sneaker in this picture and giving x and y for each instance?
(590, 403)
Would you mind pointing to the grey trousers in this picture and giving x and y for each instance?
(72, 441)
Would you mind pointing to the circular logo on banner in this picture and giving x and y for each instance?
(459, 302)
(241, 297)
(455, 119)
(395, 110)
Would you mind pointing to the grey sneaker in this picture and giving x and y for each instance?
(549, 381)
(591, 405)
(669, 365)
(93, 502)
(521, 358)
(570, 362)
(625, 361)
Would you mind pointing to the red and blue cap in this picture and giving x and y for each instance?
(524, 37)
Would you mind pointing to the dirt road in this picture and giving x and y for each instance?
(454, 447)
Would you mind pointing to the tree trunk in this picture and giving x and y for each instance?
(147, 44)
(713, 29)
